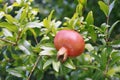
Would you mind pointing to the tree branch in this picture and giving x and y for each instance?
(32, 70)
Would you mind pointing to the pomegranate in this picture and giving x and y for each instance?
(69, 43)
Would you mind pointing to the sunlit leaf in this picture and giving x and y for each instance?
(25, 46)
(47, 51)
(1, 14)
(19, 14)
(89, 18)
(6, 32)
(34, 25)
(8, 26)
(112, 71)
(104, 7)
(89, 47)
(79, 9)
(24, 14)
(11, 19)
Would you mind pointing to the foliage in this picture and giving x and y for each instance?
(27, 50)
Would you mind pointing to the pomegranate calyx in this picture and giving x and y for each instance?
(62, 54)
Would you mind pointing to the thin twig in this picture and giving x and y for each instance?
(31, 72)
(19, 36)
(7, 41)
(107, 21)
(107, 39)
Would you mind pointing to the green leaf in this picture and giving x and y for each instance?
(111, 6)
(89, 47)
(17, 73)
(24, 15)
(115, 59)
(56, 65)
(7, 33)
(69, 64)
(47, 21)
(19, 14)
(1, 15)
(50, 16)
(89, 18)
(79, 9)
(9, 26)
(112, 71)
(104, 7)
(47, 50)
(89, 66)
(34, 25)
(47, 63)
(33, 32)
(83, 2)
(10, 19)
(112, 27)
(19, 1)
(92, 32)
(25, 46)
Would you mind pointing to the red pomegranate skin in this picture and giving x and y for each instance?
(71, 40)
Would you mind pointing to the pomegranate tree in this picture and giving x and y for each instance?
(69, 43)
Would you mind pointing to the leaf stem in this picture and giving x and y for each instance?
(107, 21)
(32, 70)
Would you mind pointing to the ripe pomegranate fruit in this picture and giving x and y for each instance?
(69, 43)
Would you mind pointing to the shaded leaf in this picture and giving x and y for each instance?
(69, 64)
(56, 65)
(14, 72)
(112, 27)
(47, 63)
